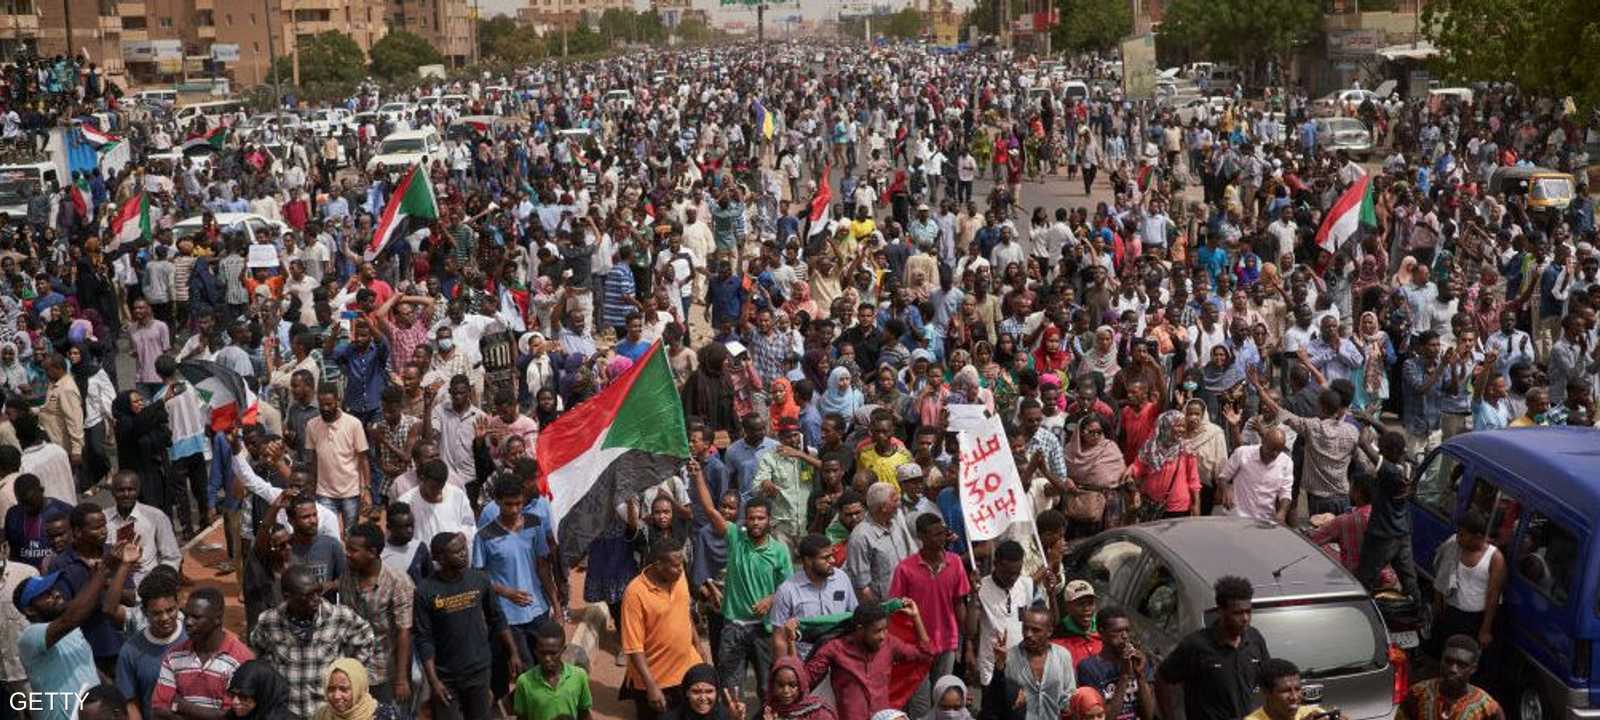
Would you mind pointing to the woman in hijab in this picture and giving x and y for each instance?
(19, 375)
(616, 367)
(971, 388)
(781, 402)
(1087, 704)
(789, 693)
(1094, 463)
(801, 302)
(98, 392)
(1372, 377)
(841, 397)
(1165, 472)
(1203, 439)
(707, 394)
(347, 696)
(1102, 356)
(1221, 380)
(143, 438)
(701, 697)
(259, 693)
(1051, 357)
(949, 700)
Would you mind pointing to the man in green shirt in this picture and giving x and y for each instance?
(757, 565)
(552, 688)
(785, 477)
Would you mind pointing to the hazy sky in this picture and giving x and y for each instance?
(810, 9)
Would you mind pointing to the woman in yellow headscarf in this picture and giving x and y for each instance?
(346, 695)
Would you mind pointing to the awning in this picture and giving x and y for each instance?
(1422, 50)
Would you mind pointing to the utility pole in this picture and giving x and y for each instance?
(761, 22)
(66, 12)
(272, 57)
(294, 36)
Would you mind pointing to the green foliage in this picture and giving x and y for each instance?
(501, 40)
(983, 15)
(327, 58)
(399, 54)
(906, 24)
(1092, 25)
(1548, 47)
(634, 27)
(1247, 32)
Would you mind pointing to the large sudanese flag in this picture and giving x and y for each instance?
(222, 392)
(1351, 216)
(629, 437)
(413, 198)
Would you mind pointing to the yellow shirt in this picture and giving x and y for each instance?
(882, 466)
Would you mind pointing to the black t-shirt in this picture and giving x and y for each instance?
(454, 624)
(1391, 490)
(1218, 680)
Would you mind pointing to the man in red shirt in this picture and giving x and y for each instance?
(936, 581)
(859, 664)
(193, 683)
(1079, 634)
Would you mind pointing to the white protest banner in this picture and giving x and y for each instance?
(991, 492)
(262, 255)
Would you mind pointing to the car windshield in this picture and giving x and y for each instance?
(1345, 125)
(12, 185)
(406, 145)
(1324, 639)
(1552, 188)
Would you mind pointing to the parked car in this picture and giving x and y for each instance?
(1540, 492)
(330, 121)
(406, 148)
(254, 228)
(1344, 133)
(1342, 102)
(1309, 609)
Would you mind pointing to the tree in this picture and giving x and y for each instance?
(328, 57)
(1247, 32)
(399, 54)
(1092, 25)
(1548, 47)
(905, 24)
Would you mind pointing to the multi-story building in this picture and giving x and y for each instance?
(568, 13)
(246, 23)
(445, 24)
(19, 27)
(89, 26)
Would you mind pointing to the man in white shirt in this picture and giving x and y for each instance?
(1257, 481)
(46, 460)
(438, 505)
(131, 519)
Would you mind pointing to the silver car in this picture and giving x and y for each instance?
(1309, 608)
(1345, 133)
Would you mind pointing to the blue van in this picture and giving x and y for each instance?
(1540, 490)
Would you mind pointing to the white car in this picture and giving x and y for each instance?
(621, 98)
(200, 161)
(330, 121)
(1075, 91)
(1342, 101)
(393, 111)
(254, 227)
(1189, 108)
(406, 148)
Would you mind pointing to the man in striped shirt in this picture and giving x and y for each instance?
(193, 684)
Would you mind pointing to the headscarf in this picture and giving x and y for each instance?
(1208, 445)
(1220, 380)
(1097, 361)
(801, 302)
(617, 366)
(363, 705)
(805, 704)
(14, 375)
(1164, 445)
(942, 686)
(1084, 699)
(702, 673)
(1098, 466)
(1050, 356)
(839, 402)
(1402, 278)
(788, 408)
(1373, 370)
(257, 680)
(1367, 275)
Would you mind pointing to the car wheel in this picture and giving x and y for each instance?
(1530, 705)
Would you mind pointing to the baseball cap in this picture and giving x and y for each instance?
(35, 587)
(908, 471)
(788, 424)
(1078, 589)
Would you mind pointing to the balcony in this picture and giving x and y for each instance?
(110, 24)
(336, 6)
(130, 9)
(206, 32)
(202, 5)
(23, 25)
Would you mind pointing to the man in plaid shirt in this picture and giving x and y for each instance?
(768, 347)
(303, 635)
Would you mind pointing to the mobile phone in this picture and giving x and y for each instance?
(125, 533)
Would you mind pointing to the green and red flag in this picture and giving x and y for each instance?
(413, 198)
(1352, 214)
(131, 222)
(214, 138)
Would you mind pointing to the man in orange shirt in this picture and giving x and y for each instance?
(658, 636)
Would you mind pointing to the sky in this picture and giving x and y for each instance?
(810, 9)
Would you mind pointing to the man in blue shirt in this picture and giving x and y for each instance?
(26, 522)
(74, 570)
(816, 589)
(1419, 412)
(139, 663)
(725, 296)
(364, 361)
(52, 647)
(512, 550)
(742, 454)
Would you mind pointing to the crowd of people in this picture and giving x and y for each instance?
(830, 247)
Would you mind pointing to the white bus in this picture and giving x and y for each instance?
(213, 112)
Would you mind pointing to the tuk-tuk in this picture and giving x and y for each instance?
(1544, 190)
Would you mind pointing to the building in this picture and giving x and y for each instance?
(262, 28)
(95, 30)
(569, 13)
(19, 27)
(447, 25)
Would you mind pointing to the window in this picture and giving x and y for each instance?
(252, 18)
(1156, 598)
(229, 18)
(166, 22)
(1323, 639)
(1501, 509)
(1548, 558)
(1111, 566)
(257, 46)
(1437, 483)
